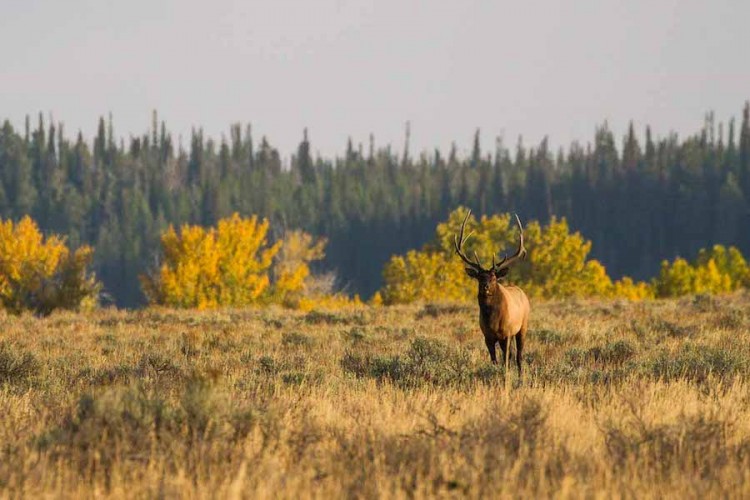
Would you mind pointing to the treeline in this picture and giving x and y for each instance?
(640, 199)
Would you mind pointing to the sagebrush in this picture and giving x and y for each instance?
(619, 399)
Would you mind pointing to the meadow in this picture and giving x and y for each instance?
(619, 399)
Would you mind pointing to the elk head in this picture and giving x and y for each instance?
(487, 278)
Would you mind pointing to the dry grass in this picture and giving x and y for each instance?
(620, 399)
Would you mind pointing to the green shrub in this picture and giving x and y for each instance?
(118, 424)
(328, 318)
(488, 373)
(663, 444)
(355, 335)
(268, 365)
(425, 362)
(616, 352)
(296, 339)
(547, 337)
(672, 329)
(697, 363)
(731, 320)
(576, 356)
(16, 367)
(199, 405)
(434, 310)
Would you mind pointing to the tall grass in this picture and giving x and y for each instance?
(618, 399)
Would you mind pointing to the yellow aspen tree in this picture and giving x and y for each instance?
(206, 268)
(42, 274)
(557, 264)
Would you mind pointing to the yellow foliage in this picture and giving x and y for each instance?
(425, 275)
(718, 270)
(41, 274)
(556, 265)
(206, 268)
(233, 265)
(626, 288)
(376, 300)
(729, 262)
(294, 286)
(291, 266)
(675, 279)
(708, 279)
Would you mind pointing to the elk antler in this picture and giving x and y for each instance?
(458, 242)
(520, 253)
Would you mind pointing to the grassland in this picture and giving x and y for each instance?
(619, 399)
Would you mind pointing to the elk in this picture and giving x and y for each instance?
(503, 309)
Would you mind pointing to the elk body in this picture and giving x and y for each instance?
(503, 310)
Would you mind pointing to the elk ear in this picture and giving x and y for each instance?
(501, 273)
(472, 272)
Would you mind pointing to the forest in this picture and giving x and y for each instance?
(640, 199)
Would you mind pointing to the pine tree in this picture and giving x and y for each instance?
(744, 150)
(304, 162)
(476, 152)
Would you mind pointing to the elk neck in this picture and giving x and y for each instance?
(491, 304)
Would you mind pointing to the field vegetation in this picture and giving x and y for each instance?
(635, 399)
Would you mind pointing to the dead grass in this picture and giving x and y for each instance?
(619, 400)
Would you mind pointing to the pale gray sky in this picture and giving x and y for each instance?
(343, 68)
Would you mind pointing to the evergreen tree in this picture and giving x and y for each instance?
(639, 204)
(744, 152)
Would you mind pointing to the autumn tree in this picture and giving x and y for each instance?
(291, 269)
(234, 264)
(557, 264)
(717, 270)
(209, 267)
(42, 274)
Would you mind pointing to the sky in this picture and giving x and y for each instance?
(351, 68)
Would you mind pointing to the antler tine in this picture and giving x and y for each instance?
(520, 229)
(459, 241)
(476, 258)
(520, 253)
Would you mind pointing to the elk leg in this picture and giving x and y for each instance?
(504, 349)
(519, 352)
(506, 354)
(491, 347)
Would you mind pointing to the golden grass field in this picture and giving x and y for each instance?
(619, 399)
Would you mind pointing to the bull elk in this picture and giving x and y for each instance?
(503, 309)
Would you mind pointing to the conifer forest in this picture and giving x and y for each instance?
(641, 198)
